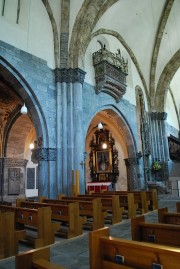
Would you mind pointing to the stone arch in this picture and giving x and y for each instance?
(116, 118)
(164, 82)
(55, 31)
(20, 86)
(89, 14)
(118, 124)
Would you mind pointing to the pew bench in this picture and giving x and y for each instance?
(9, 237)
(70, 222)
(91, 210)
(108, 252)
(140, 199)
(159, 233)
(178, 207)
(168, 217)
(153, 198)
(111, 205)
(126, 201)
(38, 220)
(35, 259)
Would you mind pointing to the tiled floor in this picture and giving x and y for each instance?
(74, 253)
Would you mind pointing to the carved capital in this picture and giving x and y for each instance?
(43, 154)
(158, 116)
(131, 161)
(69, 75)
(12, 162)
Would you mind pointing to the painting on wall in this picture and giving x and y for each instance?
(103, 161)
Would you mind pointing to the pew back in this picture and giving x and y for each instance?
(168, 217)
(40, 219)
(107, 252)
(35, 259)
(68, 214)
(159, 233)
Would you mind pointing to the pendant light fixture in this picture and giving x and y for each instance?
(24, 109)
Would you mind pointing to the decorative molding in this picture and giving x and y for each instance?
(69, 75)
(43, 154)
(110, 73)
(158, 115)
(11, 162)
(131, 161)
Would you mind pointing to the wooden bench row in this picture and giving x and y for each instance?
(115, 253)
(35, 259)
(91, 210)
(110, 206)
(67, 215)
(145, 200)
(37, 219)
(158, 233)
(9, 236)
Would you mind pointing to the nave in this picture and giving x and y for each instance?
(74, 253)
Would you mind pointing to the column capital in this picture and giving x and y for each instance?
(69, 75)
(158, 115)
(43, 154)
(131, 161)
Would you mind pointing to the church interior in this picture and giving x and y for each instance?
(89, 98)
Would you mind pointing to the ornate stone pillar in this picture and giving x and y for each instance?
(71, 81)
(132, 173)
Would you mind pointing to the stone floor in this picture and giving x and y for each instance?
(74, 253)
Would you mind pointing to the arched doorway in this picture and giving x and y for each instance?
(128, 165)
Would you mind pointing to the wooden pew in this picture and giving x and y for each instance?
(178, 207)
(111, 205)
(107, 252)
(38, 219)
(92, 210)
(9, 237)
(35, 259)
(159, 233)
(168, 217)
(140, 198)
(126, 201)
(64, 214)
(153, 198)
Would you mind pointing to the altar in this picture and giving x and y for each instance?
(98, 186)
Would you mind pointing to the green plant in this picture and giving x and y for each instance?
(156, 166)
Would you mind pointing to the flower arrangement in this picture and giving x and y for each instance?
(156, 166)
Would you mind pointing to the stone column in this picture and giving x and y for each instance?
(71, 81)
(159, 142)
(70, 133)
(78, 123)
(45, 157)
(58, 130)
(132, 178)
(158, 135)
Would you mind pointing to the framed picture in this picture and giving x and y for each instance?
(103, 161)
